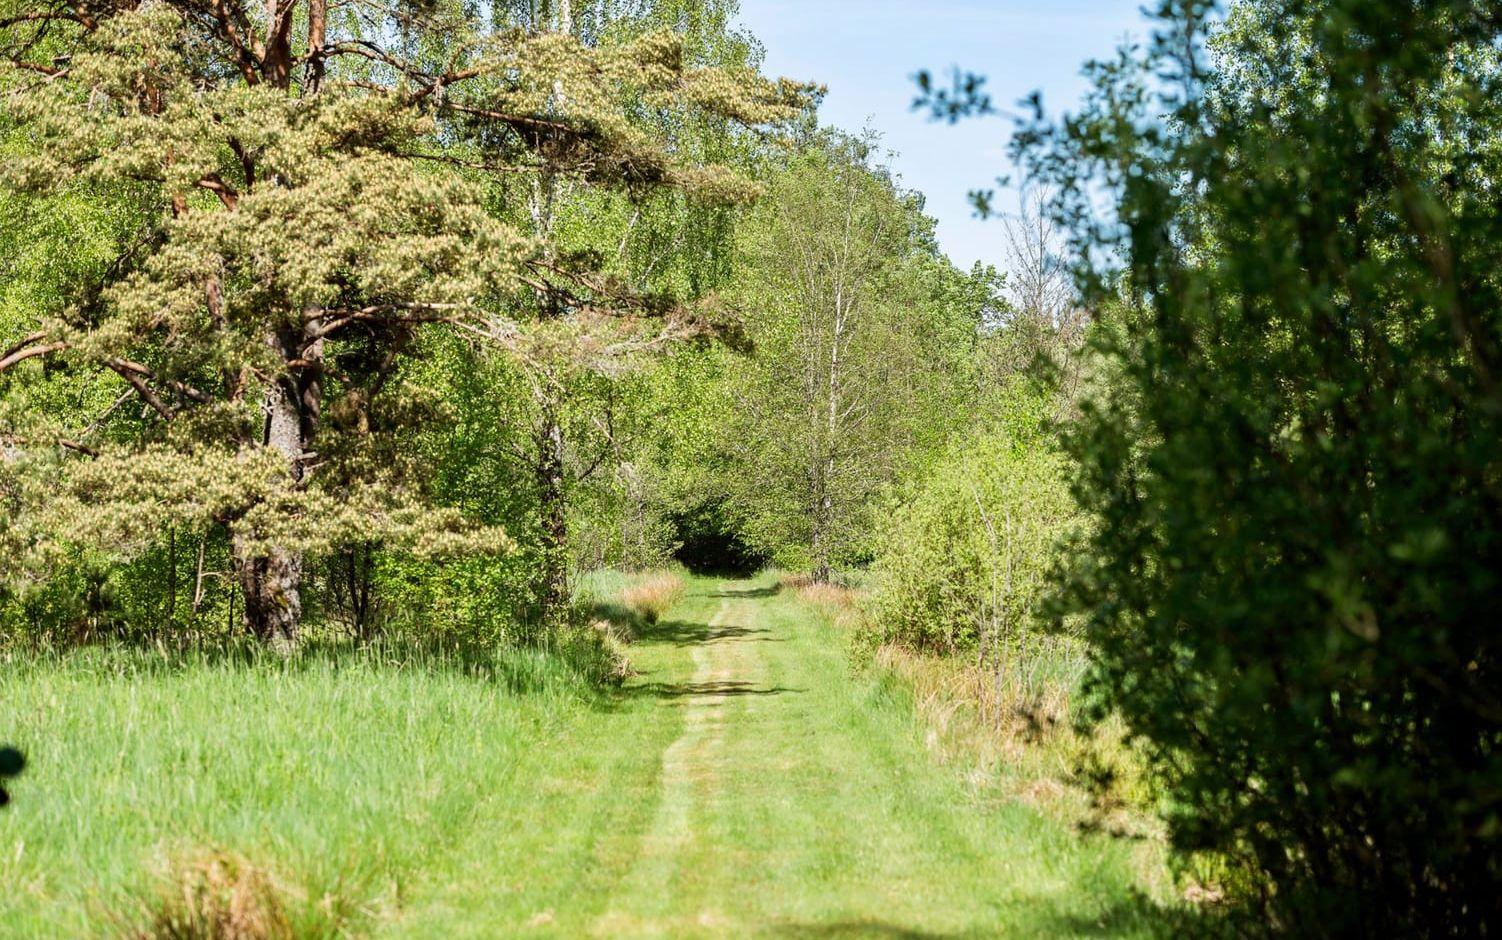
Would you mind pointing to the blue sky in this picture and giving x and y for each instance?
(866, 51)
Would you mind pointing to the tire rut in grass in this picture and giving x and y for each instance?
(649, 899)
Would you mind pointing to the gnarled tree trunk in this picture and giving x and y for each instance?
(271, 581)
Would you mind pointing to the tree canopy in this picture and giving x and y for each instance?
(309, 193)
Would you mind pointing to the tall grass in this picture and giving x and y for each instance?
(213, 896)
(343, 771)
(841, 604)
(652, 595)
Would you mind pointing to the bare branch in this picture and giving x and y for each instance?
(227, 194)
(121, 369)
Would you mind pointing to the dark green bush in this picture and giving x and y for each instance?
(1294, 575)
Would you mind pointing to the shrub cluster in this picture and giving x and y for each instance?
(965, 555)
(1292, 578)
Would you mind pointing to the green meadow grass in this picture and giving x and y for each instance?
(342, 775)
(748, 780)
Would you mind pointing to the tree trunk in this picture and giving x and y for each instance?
(272, 584)
(359, 562)
(270, 577)
(824, 478)
(819, 544)
(553, 515)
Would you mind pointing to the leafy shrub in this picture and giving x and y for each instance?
(620, 521)
(465, 600)
(652, 595)
(964, 557)
(1293, 575)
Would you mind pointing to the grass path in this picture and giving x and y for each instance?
(691, 767)
(789, 797)
(747, 782)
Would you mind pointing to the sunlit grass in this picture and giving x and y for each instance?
(341, 773)
(394, 792)
(652, 595)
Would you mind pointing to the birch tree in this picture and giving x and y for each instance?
(859, 323)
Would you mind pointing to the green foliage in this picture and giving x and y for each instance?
(963, 557)
(1292, 575)
(862, 332)
(264, 246)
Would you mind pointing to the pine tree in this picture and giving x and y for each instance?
(320, 181)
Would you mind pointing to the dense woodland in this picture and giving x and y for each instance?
(345, 326)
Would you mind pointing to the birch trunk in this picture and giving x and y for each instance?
(552, 515)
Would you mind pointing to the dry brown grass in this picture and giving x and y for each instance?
(614, 640)
(968, 716)
(214, 895)
(652, 595)
(840, 604)
(1006, 707)
(1016, 731)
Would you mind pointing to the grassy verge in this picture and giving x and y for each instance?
(886, 840)
(340, 776)
(1008, 732)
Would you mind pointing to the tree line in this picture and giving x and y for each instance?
(366, 320)
(388, 318)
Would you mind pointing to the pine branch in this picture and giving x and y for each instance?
(29, 352)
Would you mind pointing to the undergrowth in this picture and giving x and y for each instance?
(1007, 725)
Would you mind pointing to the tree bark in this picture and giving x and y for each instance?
(271, 581)
(271, 576)
(824, 477)
(317, 42)
(553, 515)
(819, 546)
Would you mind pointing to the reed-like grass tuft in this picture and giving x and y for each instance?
(213, 895)
(652, 595)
